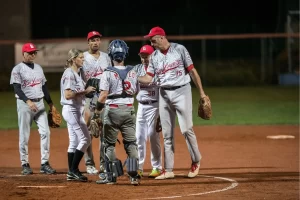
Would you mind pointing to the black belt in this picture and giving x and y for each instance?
(147, 102)
(173, 88)
(36, 100)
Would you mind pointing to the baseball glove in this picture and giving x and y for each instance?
(95, 127)
(158, 127)
(94, 82)
(204, 108)
(54, 118)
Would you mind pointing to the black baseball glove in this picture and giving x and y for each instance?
(94, 82)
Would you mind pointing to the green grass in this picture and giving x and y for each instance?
(231, 106)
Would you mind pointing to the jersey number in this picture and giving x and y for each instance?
(151, 93)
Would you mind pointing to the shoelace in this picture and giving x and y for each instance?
(48, 167)
(194, 167)
(163, 172)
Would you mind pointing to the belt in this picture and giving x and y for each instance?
(147, 102)
(173, 88)
(36, 100)
(119, 105)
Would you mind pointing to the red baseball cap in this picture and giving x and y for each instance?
(155, 31)
(93, 34)
(147, 49)
(29, 47)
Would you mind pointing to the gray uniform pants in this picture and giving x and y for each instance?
(171, 103)
(25, 118)
(120, 119)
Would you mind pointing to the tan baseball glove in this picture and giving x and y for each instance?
(54, 118)
(96, 127)
(204, 108)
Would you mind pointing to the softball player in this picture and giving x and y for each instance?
(95, 62)
(30, 89)
(118, 85)
(172, 64)
(73, 100)
(147, 115)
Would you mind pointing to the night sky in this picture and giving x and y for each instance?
(67, 19)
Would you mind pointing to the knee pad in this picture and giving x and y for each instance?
(132, 166)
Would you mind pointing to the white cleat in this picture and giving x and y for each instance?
(91, 170)
(194, 170)
(165, 175)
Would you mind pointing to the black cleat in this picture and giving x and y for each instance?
(77, 176)
(26, 170)
(47, 169)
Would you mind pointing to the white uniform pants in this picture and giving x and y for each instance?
(79, 137)
(145, 127)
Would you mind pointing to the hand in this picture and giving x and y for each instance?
(202, 95)
(90, 89)
(32, 106)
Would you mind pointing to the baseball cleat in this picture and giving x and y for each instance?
(140, 172)
(47, 169)
(154, 173)
(106, 181)
(77, 175)
(135, 181)
(194, 170)
(165, 175)
(26, 170)
(70, 177)
(91, 169)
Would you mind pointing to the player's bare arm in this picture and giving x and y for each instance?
(197, 80)
(70, 94)
(147, 79)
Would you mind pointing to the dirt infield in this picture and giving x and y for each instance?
(239, 162)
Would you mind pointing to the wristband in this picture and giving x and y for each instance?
(99, 105)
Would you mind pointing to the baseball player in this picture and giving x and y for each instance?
(147, 115)
(95, 62)
(73, 100)
(118, 85)
(30, 89)
(172, 64)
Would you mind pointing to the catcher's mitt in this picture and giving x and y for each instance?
(204, 108)
(95, 127)
(158, 127)
(54, 118)
(94, 82)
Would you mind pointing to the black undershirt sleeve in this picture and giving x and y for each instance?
(19, 92)
(46, 94)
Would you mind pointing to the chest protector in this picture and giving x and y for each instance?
(122, 74)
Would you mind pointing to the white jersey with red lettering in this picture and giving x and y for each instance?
(111, 82)
(71, 80)
(175, 98)
(94, 67)
(31, 80)
(146, 92)
(171, 69)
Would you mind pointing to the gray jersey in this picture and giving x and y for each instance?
(31, 80)
(111, 82)
(94, 67)
(171, 69)
(146, 92)
(71, 80)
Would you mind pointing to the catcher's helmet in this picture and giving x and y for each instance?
(118, 50)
